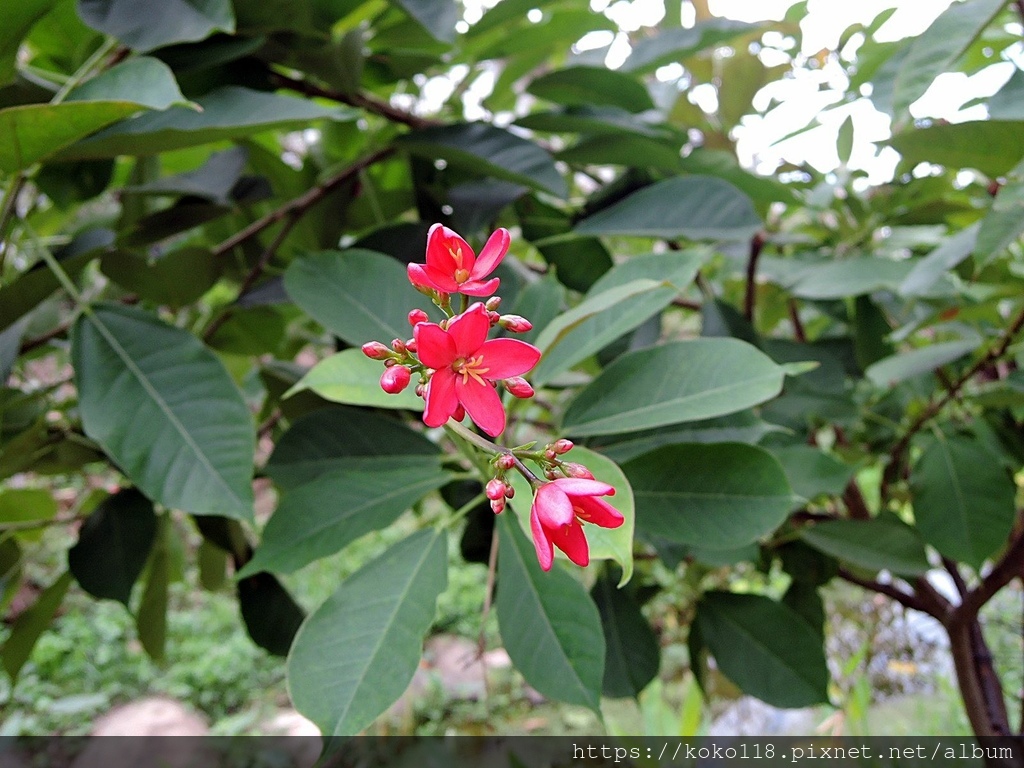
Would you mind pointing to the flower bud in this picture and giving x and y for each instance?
(495, 489)
(411, 345)
(549, 455)
(515, 323)
(498, 505)
(561, 446)
(420, 390)
(376, 351)
(417, 316)
(510, 492)
(550, 474)
(395, 379)
(398, 345)
(519, 387)
(493, 318)
(506, 461)
(493, 303)
(573, 469)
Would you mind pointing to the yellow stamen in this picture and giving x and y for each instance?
(472, 368)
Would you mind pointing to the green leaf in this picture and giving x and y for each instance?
(113, 546)
(19, 18)
(849, 277)
(351, 377)
(963, 498)
(30, 625)
(330, 438)
(932, 267)
(164, 409)
(151, 619)
(549, 625)
(993, 147)
(213, 564)
(717, 496)
(358, 651)
(271, 615)
(438, 17)
(359, 495)
(811, 472)
(694, 207)
(671, 45)
(1004, 223)
(143, 25)
(906, 365)
(226, 113)
(676, 268)
(23, 505)
(359, 295)
(1008, 102)
(176, 279)
(676, 382)
(605, 543)
(142, 80)
(623, 149)
(489, 151)
(878, 544)
(584, 86)
(937, 49)
(632, 655)
(844, 141)
(764, 647)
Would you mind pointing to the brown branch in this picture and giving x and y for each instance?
(299, 205)
(1020, 9)
(1010, 566)
(956, 576)
(798, 327)
(756, 246)
(854, 501)
(687, 304)
(907, 599)
(358, 100)
(31, 344)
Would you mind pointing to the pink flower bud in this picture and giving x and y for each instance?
(395, 379)
(562, 446)
(376, 351)
(398, 345)
(498, 505)
(519, 387)
(510, 492)
(493, 318)
(515, 323)
(506, 461)
(411, 345)
(495, 489)
(493, 303)
(417, 316)
(549, 455)
(576, 470)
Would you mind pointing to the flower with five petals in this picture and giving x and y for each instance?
(465, 364)
(453, 267)
(558, 507)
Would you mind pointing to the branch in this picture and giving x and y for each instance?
(906, 599)
(359, 100)
(299, 205)
(1010, 565)
(854, 501)
(756, 245)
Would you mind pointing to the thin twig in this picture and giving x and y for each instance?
(31, 344)
(956, 576)
(794, 318)
(756, 246)
(907, 599)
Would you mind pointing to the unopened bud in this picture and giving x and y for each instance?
(510, 492)
(573, 469)
(411, 345)
(549, 455)
(493, 303)
(460, 413)
(495, 489)
(550, 474)
(506, 461)
(395, 379)
(493, 318)
(417, 316)
(420, 390)
(519, 387)
(426, 291)
(498, 505)
(562, 446)
(376, 351)
(515, 323)
(398, 345)
(390, 362)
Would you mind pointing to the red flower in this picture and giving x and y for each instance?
(452, 267)
(465, 363)
(558, 507)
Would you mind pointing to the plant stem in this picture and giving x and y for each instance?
(83, 71)
(492, 448)
(756, 245)
(62, 277)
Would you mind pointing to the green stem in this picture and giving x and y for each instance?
(8, 212)
(83, 71)
(62, 277)
(463, 303)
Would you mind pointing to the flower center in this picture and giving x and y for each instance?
(456, 254)
(471, 368)
(461, 275)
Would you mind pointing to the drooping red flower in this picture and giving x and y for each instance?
(465, 363)
(453, 267)
(558, 507)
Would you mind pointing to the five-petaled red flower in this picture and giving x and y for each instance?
(558, 507)
(465, 363)
(453, 267)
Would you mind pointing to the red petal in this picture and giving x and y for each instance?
(541, 542)
(440, 242)
(553, 507)
(476, 288)
(441, 279)
(470, 330)
(571, 540)
(508, 357)
(435, 347)
(492, 254)
(579, 486)
(598, 511)
(441, 398)
(482, 404)
(418, 276)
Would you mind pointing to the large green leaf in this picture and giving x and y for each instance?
(993, 147)
(671, 45)
(359, 650)
(1004, 223)
(881, 543)
(165, 410)
(549, 625)
(889, 371)
(329, 438)
(811, 472)
(583, 86)
(151, 618)
(438, 17)
(681, 381)
(489, 151)
(141, 80)
(22, 505)
(359, 295)
(226, 113)
(935, 51)
(271, 615)
(849, 277)
(18, 20)
(357, 496)
(632, 654)
(31, 624)
(717, 496)
(145, 25)
(764, 647)
(352, 378)
(932, 267)
(694, 207)
(963, 498)
(113, 545)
